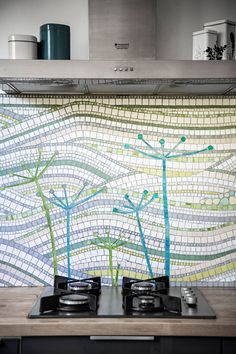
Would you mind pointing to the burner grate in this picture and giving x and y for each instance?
(153, 302)
(133, 286)
(89, 285)
(149, 295)
(67, 302)
(72, 295)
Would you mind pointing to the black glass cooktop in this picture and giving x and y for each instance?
(109, 302)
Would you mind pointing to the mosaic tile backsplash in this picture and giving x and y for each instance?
(117, 186)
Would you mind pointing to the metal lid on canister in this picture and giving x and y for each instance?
(54, 27)
(205, 31)
(22, 38)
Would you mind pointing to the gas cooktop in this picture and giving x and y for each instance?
(150, 298)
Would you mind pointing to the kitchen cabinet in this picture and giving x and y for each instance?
(228, 345)
(84, 345)
(9, 345)
(120, 345)
(117, 345)
(190, 345)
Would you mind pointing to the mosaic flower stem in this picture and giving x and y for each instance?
(117, 274)
(163, 156)
(144, 245)
(110, 250)
(166, 218)
(110, 245)
(34, 178)
(131, 208)
(48, 218)
(64, 204)
(68, 239)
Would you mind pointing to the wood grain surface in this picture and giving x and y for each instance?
(15, 303)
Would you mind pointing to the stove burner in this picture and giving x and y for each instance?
(79, 286)
(146, 301)
(143, 303)
(143, 286)
(88, 285)
(72, 296)
(146, 286)
(156, 303)
(74, 300)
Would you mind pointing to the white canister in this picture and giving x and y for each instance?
(22, 46)
(202, 40)
(226, 36)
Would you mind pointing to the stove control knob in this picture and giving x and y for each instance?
(121, 69)
(191, 300)
(186, 291)
(115, 69)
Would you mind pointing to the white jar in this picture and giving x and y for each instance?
(226, 36)
(202, 40)
(21, 46)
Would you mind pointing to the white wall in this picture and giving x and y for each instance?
(26, 16)
(176, 20)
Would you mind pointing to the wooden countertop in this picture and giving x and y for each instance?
(15, 303)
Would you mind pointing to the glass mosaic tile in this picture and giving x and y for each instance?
(181, 148)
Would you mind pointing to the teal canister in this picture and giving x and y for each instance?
(54, 41)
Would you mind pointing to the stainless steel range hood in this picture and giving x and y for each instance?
(122, 37)
(180, 77)
(122, 29)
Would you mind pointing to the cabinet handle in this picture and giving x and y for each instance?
(121, 337)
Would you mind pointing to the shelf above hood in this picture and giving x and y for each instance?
(161, 77)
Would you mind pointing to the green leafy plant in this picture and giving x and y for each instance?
(215, 53)
(34, 177)
(110, 244)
